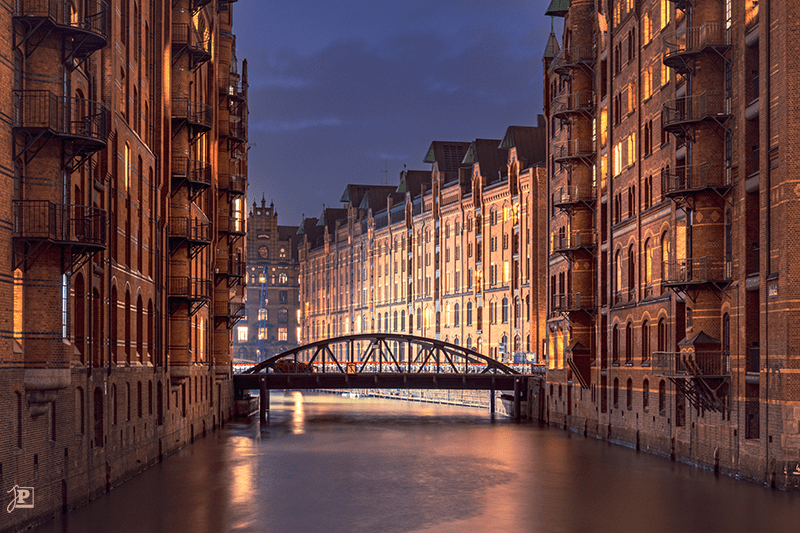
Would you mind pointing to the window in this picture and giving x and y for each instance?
(283, 334)
(645, 394)
(505, 310)
(283, 279)
(283, 297)
(456, 315)
(283, 316)
(662, 397)
(645, 340)
(629, 395)
(615, 394)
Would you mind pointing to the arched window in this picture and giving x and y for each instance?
(615, 345)
(645, 340)
(403, 321)
(618, 276)
(648, 268)
(378, 323)
(79, 318)
(456, 315)
(394, 317)
(113, 337)
(615, 394)
(427, 317)
(469, 342)
(140, 328)
(628, 343)
(283, 316)
(150, 331)
(662, 397)
(632, 271)
(665, 254)
(127, 326)
(283, 279)
(447, 315)
(386, 321)
(419, 318)
(662, 335)
(469, 314)
(456, 342)
(645, 394)
(629, 395)
(505, 310)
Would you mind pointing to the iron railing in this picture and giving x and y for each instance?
(694, 108)
(63, 115)
(91, 15)
(573, 194)
(189, 228)
(572, 302)
(574, 148)
(195, 113)
(709, 269)
(198, 172)
(232, 183)
(572, 241)
(189, 288)
(65, 224)
(701, 364)
(708, 175)
(695, 39)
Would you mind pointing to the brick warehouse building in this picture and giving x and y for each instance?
(123, 219)
(273, 291)
(443, 255)
(672, 212)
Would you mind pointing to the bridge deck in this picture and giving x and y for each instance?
(339, 380)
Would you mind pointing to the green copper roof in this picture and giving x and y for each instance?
(558, 8)
(552, 48)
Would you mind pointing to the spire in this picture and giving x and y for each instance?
(552, 49)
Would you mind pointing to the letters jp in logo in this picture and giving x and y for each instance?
(23, 498)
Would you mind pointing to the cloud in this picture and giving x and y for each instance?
(331, 103)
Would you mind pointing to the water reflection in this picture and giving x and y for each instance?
(328, 463)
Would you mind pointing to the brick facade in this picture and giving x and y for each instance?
(122, 239)
(681, 340)
(444, 254)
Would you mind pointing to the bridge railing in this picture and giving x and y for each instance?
(382, 353)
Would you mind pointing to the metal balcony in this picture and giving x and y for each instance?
(234, 184)
(577, 240)
(574, 57)
(232, 87)
(84, 24)
(81, 122)
(197, 174)
(186, 40)
(703, 376)
(684, 44)
(187, 290)
(230, 268)
(196, 115)
(567, 197)
(688, 179)
(581, 148)
(683, 113)
(80, 228)
(572, 302)
(232, 225)
(698, 271)
(191, 231)
(233, 128)
(569, 104)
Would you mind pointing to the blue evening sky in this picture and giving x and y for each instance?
(350, 91)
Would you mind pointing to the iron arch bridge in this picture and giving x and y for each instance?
(381, 361)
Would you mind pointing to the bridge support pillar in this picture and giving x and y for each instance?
(491, 401)
(517, 399)
(263, 403)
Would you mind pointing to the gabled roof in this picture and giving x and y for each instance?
(448, 155)
(530, 142)
(330, 215)
(487, 153)
(356, 195)
(558, 8)
(411, 181)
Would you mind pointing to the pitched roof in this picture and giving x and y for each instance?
(530, 142)
(558, 8)
(492, 159)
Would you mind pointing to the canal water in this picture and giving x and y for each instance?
(329, 463)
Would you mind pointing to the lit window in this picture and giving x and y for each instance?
(283, 334)
(241, 334)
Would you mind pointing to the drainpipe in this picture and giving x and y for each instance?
(767, 224)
